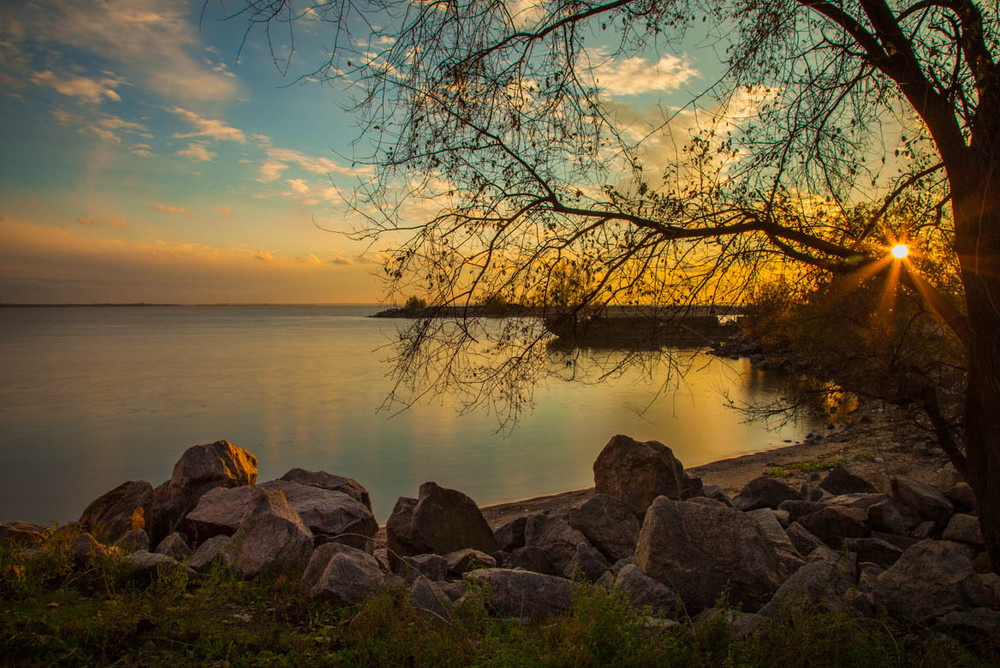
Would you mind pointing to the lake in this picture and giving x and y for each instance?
(94, 396)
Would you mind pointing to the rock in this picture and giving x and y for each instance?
(885, 517)
(273, 538)
(587, 563)
(931, 579)
(644, 591)
(609, 525)
(440, 521)
(924, 530)
(764, 492)
(978, 621)
(220, 511)
(742, 624)
(334, 483)
(329, 512)
(702, 552)
(510, 536)
(342, 574)
(928, 501)
(174, 546)
(23, 534)
(964, 529)
(149, 563)
(453, 589)
(813, 493)
(200, 469)
(636, 473)
(431, 566)
(706, 501)
(798, 509)
(523, 593)
(427, 596)
(382, 557)
(128, 506)
(874, 551)
(835, 523)
(715, 492)
(789, 559)
(86, 548)
(962, 497)
(859, 500)
(531, 558)
(468, 559)
(133, 541)
(841, 480)
(552, 532)
(215, 548)
(821, 583)
(804, 540)
(904, 543)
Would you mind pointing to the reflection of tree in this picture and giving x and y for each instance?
(836, 128)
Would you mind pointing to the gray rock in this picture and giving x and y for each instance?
(200, 468)
(273, 538)
(930, 580)
(334, 483)
(927, 500)
(799, 509)
(85, 548)
(789, 559)
(835, 523)
(715, 492)
(904, 543)
(133, 541)
(440, 520)
(964, 529)
(431, 566)
(174, 547)
(765, 492)
(644, 591)
(885, 517)
(859, 500)
(329, 512)
(978, 621)
(531, 558)
(128, 506)
(841, 480)
(813, 493)
(804, 540)
(428, 596)
(552, 532)
(215, 548)
(342, 574)
(821, 583)
(609, 525)
(874, 550)
(454, 589)
(468, 559)
(637, 472)
(962, 497)
(523, 593)
(510, 536)
(703, 552)
(220, 512)
(708, 501)
(587, 563)
(924, 530)
(155, 562)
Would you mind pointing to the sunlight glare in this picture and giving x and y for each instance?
(900, 251)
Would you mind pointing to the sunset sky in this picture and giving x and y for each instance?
(142, 162)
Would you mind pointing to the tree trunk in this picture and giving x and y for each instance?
(977, 239)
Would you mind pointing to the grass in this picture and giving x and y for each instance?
(53, 611)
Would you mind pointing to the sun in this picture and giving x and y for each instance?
(900, 251)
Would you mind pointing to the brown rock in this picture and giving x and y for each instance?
(609, 525)
(273, 539)
(124, 508)
(765, 492)
(552, 532)
(334, 483)
(440, 521)
(220, 512)
(841, 480)
(22, 534)
(835, 523)
(929, 501)
(524, 593)
(342, 574)
(636, 473)
(468, 559)
(330, 512)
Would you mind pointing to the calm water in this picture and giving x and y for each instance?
(91, 397)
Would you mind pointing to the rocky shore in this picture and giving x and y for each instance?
(808, 525)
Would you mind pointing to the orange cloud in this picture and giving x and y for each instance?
(94, 221)
(171, 209)
(228, 210)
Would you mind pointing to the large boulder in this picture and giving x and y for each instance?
(126, 507)
(789, 558)
(330, 512)
(765, 492)
(608, 524)
(220, 511)
(440, 521)
(552, 532)
(931, 579)
(835, 523)
(927, 500)
(964, 529)
(342, 574)
(510, 536)
(334, 483)
(636, 473)
(531, 558)
(644, 591)
(702, 552)
(23, 534)
(523, 593)
(273, 539)
(841, 480)
(200, 469)
(820, 583)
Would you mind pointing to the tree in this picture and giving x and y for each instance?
(836, 128)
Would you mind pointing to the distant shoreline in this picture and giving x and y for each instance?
(167, 304)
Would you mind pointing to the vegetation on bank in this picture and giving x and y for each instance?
(53, 610)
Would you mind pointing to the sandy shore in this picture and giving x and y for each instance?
(876, 444)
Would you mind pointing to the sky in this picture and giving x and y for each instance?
(146, 158)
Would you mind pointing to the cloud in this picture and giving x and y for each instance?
(197, 152)
(283, 156)
(340, 259)
(82, 88)
(270, 170)
(263, 255)
(312, 259)
(635, 76)
(171, 209)
(153, 41)
(298, 186)
(208, 127)
(228, 210)
(107, 127)
(95, 221)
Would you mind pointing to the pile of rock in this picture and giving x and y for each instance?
(652, 530)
